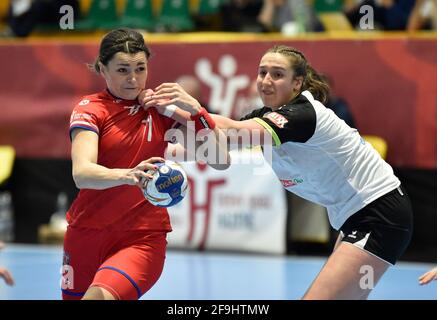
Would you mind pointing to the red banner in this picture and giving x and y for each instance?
(389, 84)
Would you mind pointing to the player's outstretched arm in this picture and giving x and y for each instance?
(244, 133)
(233, 130)
(187, 109)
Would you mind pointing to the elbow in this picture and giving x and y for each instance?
(78, 182)
(78, 179)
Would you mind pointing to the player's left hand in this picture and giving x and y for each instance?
(146, 93)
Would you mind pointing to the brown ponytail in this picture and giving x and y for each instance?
(316, 84)
(312, 80)
(120, 40)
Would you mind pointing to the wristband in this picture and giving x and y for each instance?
(168, 110)
(202, 120)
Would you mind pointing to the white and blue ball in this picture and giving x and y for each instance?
(168, 186)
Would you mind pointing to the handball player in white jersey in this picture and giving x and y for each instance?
(320, 158)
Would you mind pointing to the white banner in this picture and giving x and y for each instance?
(242, 208)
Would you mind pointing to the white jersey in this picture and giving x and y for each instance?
(317, 156)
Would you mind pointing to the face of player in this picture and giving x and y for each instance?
(126, 74)
(276, 83)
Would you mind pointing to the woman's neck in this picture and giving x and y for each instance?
(293, 96)
(118, 98)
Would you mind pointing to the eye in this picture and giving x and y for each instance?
(121, 70)
(277, 75)
(141, 69)
(262, 73)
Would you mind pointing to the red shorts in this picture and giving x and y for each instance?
(126, 263)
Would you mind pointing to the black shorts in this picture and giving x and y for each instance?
(383, 227)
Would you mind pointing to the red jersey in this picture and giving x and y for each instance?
(127, 135)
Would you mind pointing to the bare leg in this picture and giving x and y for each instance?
(97, 293)
(349, 273)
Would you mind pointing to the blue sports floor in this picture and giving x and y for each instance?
(208, 276)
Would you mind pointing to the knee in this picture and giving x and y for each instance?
(97, 293)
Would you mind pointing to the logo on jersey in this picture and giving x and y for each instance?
(358, 238)
(84, 102)
(82, 120)
(67, 273)
(353, 235)
(290, 183)
(77, 116)
(133, 110)
(277, 119)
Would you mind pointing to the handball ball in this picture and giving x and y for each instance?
(168, 185)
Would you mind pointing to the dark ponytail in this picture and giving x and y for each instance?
(120, 40)
(312, 80)
(316, 84)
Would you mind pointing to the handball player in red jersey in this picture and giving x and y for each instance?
(115, 244)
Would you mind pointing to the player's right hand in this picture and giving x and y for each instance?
(139, 175)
